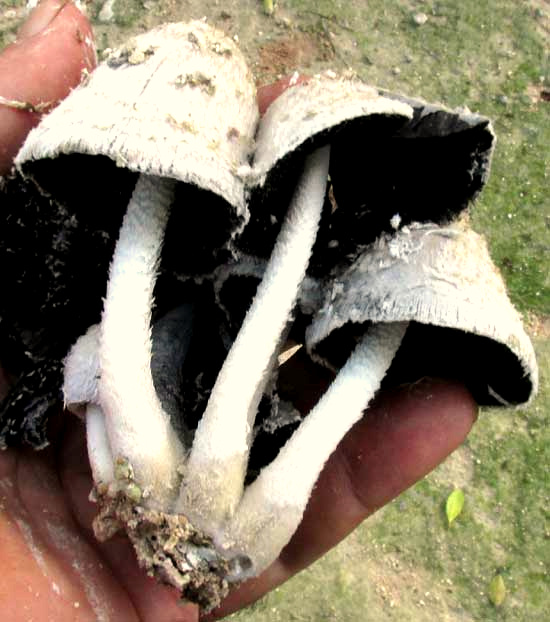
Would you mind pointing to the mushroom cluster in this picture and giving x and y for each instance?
(208, 241)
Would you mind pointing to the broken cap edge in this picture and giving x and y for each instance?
(452, 121)
(440, 276)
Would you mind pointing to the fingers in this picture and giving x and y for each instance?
(402, 438)
(53, 47)
(268, 93)
(42, 547)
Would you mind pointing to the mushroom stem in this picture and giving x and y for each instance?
(139, 430)
(273, 505)
(214, 475)
(99, 448)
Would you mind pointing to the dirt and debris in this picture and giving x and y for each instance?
(198, 80)
(283, 54)
(168, 547)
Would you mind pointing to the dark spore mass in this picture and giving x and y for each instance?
(56, 254)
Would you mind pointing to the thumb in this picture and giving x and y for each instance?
(53, 47)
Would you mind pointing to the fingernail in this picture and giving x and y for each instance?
(40, 18)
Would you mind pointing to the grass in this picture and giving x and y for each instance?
(405, 563)
(490, 56)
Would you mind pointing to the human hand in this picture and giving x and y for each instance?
(53, 568)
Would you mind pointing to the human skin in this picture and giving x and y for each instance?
(52, 566)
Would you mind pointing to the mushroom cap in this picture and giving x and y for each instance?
(308, 115)
(178, 101)
(389, 154)
(429, 170)
(443, 280)
(314, 112)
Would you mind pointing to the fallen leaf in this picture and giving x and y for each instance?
(454, 505)
(497, 590)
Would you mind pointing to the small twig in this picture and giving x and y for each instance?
(330, 18)
(327, 38)
(27, 106)
(288, 353)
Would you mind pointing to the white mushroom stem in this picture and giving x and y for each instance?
(214, 475)
(273, 505)
(139, 430)
(99, 448)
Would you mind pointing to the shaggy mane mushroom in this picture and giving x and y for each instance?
(175, 111)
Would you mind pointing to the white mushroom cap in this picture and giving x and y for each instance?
(316, 110)
(178, 101)
(438, 276)
(389, 153)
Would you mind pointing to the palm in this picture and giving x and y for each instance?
(47, 540)
(51, 560)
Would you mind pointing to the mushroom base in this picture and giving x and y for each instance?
(168, 547)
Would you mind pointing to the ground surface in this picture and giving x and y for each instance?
(405, 563)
